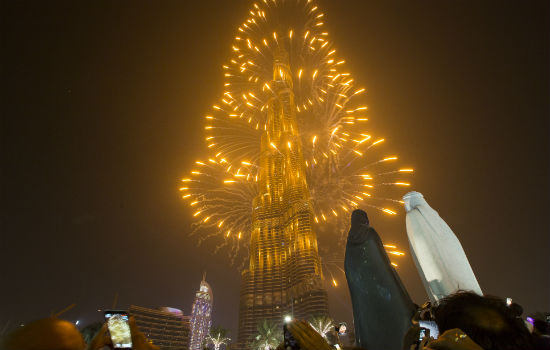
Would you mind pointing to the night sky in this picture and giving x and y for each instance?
(102, 115)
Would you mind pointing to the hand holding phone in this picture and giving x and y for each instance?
(424, 332)
(431, 326)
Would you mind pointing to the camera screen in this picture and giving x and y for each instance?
(342, 329)
(119, 329)
(422, 333)
(432, 326)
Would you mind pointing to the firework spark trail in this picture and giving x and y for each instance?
(341, 170)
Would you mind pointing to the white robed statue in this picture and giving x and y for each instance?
(436, 251)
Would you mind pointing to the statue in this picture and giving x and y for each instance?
(382, 308)
(436, 251)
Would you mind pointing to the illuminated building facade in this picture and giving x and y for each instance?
(167, 327)
(201, 315)
(284, 275)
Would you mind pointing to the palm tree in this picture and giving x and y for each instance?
(217, 337)
(322, 324)
(270, 335)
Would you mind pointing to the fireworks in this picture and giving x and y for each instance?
(343, 168)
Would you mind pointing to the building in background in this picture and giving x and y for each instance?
(168, 328)
(201, 315)
(284, 276)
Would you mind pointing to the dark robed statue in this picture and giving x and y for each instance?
(382, 308)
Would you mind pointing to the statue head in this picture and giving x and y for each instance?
(412, 200)
(359, 217)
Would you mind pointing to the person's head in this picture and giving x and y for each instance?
(516, 309)
(540, 327)
(485, 319)
(47, 333)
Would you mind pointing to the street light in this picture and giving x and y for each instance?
(288, 318)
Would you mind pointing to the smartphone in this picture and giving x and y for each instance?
(424, 332)
(341, 328)
(290, 342)
(119, 328)
(431, 326)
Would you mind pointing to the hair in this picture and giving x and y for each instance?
(485, 319)
(540, 326)
(516, 309)
(46, 333)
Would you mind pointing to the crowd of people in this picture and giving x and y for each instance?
(465, 321)
(57, 334)
(461, 320)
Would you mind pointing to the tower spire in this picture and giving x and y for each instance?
(281, 67)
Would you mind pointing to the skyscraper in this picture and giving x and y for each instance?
(201, 315)
(284, 274)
